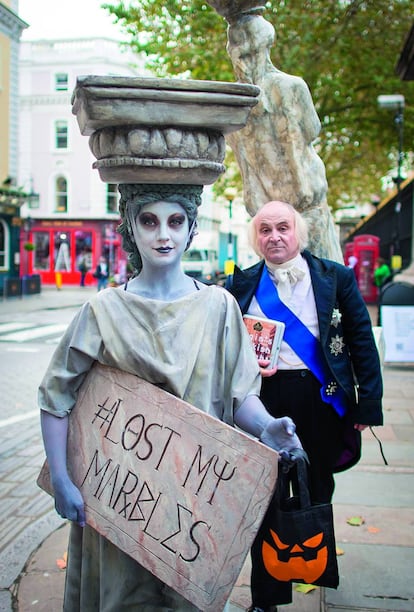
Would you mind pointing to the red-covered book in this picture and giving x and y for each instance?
(266, 336)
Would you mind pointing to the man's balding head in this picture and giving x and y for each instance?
(278, 232)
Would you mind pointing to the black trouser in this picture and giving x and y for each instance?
(296, 393)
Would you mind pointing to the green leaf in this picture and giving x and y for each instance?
(305, 588)
(355, 521)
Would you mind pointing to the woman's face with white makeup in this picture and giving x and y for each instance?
(161, 233)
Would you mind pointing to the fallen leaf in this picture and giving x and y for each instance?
(339, 551)
(373, 529)
(355, 521)
(61, 563)
(305, 588)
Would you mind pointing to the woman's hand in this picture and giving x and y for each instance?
(68, 500)
(280, 435)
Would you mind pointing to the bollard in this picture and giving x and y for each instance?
(58, 280)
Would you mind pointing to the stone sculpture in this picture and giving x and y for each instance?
(275, 150)
(165, 131)
(149, 130)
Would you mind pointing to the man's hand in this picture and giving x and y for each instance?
(360, 427)
(265, 371)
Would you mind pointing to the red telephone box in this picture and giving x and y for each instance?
(366, 250)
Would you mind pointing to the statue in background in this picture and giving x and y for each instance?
(275, 150)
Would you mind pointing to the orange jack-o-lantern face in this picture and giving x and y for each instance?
(306, 562)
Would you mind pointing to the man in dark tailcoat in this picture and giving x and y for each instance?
(328, 374)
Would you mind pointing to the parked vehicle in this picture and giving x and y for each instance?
(201, 264)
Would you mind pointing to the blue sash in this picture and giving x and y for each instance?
(300, 339)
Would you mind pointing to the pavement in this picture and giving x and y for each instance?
(376, 558)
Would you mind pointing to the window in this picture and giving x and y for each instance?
(4, 245)
(112, 196)
(61, 81)
(61, 134)
(41, 252)
(83, 248)
(61, 252)
(61, 194)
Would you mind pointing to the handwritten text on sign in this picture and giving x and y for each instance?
(176, 489)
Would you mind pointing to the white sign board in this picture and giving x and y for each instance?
(176, 489)
(398, 326)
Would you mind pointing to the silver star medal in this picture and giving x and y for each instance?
(337, 344)
(336, 317)
(331, 388)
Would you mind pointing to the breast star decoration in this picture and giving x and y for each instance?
(336, 317)
(331, 388)
(337, 344)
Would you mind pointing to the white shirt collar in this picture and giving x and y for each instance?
(297, 261)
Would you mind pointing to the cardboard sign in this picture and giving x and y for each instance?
(174, 488)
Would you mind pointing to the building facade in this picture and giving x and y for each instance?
(11, 198)
(75, 216)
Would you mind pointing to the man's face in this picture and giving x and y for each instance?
(276, 235)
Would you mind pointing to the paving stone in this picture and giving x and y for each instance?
(382, 525)
(37, 506)
(5, 600)
(374, 578)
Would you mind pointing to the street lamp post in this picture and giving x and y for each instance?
(111, 250)
(32, 199)
(396, 103)
(230, 236)
(27, 244)
(230, 194)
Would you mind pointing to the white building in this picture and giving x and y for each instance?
(76, 213)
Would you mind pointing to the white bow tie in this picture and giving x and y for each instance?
(291, 275)
(286, 278)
